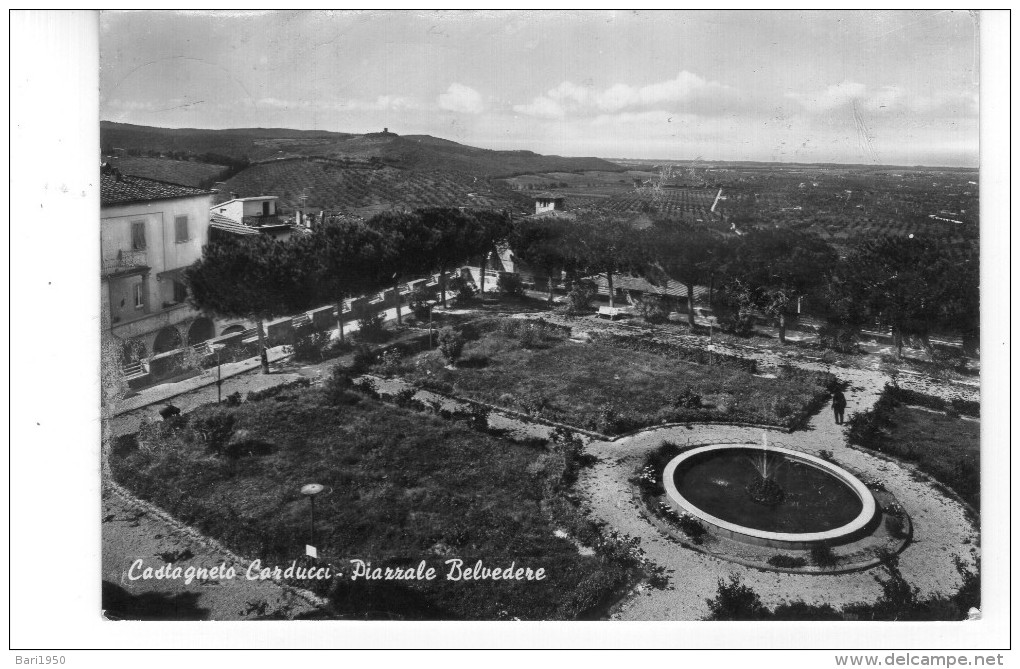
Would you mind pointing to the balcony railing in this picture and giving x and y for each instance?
(256, 221)
(124, 261)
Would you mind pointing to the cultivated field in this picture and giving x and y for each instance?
(366, 188)
(186, 172)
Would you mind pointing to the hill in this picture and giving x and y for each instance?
(186, 172)
(418, 152)
(367, 188)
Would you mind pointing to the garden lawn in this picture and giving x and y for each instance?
(946, 447)
(402, 486)
(612, 390)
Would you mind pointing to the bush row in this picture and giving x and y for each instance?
(899, 601)
(273, 391)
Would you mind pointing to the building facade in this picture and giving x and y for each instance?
(151, 231)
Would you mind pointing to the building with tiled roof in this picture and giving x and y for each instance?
(150, 233)
(119, 189)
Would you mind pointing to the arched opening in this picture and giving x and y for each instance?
(233, 329)
(201, 330)
(168, 339)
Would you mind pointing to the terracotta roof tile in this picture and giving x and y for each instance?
(139, 189)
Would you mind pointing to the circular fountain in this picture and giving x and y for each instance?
(769, 496)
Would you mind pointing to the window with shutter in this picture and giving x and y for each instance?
(181, 224)
(138, 236)
(180, 292)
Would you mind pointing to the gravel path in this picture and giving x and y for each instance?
(131, 533)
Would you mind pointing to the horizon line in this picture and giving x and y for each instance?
(703, 160)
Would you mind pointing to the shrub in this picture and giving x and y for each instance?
(214, 430)
(124, 444)
(899, 601)
(364, 358)
(687, 399)
(389, 362)
(690, 526)
(787, 561)
(822, 556)
(273, 391)
(451, 344)
(532, 332)
(571, 447)
(370, 328)
(895, 526)
(367, 386)
(464, 289)
(510, 284)
(337, 389)
(533, 403)
(244, 445)
(781, 408)
(580, 296)
(311, 348)
(957, 405)
(233, 399)
(735, 601)
(841, 338)
(419, 300)
(738, 323)
(655, 308)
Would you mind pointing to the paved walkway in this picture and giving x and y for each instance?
(164, 392)
(131, 533)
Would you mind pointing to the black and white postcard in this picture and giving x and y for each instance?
(496, 316)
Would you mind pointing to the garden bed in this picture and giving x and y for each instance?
(943, 445)
(533, 367)
(402, 486)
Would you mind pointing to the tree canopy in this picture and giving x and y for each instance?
(912, 285)
(256, 277)
(683, 252)
(775, 267)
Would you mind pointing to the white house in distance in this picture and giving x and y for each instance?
(250, 215)
(151, 231)
(548, 202)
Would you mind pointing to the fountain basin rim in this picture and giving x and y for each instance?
(790, 539)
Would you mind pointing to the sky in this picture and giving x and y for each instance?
(873, 87)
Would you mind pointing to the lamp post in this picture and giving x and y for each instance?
(310, 491)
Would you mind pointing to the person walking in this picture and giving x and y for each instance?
(838, 406)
